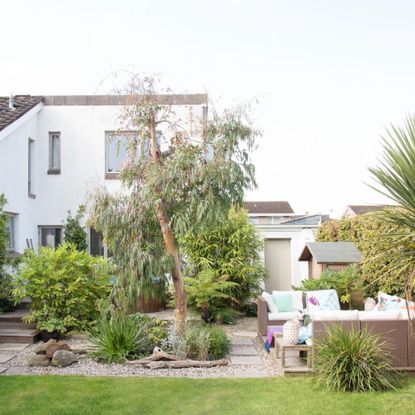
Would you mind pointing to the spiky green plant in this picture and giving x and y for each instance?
(352, 361)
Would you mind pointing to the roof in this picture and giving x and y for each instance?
(275, 207)
(362, 209)
(22, 104)
(331, 252)
(307, 220)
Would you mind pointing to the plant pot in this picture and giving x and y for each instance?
(47, 335)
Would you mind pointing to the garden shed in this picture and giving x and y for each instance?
(332, 256)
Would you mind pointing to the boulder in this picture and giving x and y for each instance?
(38, 360)
(41, 347)
(63, 358)
(53, 347)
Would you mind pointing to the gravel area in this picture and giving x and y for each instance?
(245, 329)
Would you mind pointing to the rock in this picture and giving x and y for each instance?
(63, 358)
(52, 348)
(38, 360)
(41, 347)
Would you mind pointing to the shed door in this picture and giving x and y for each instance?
(278, 264)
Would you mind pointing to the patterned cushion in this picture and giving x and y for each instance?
(322, 300)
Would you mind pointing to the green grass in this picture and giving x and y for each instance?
(97, 395)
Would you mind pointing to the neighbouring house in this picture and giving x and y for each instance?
(332, 256)
(355, 210)
(285, 234)
(54, 150)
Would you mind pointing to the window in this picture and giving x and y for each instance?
(54, 153)
(96, 246)
(11, 232)
(50, 236)
(31, 169)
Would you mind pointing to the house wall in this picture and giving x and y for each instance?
(298, 236)
(82, 129)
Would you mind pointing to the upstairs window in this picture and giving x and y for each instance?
(54, 153)
(31, 169)
(50, 236)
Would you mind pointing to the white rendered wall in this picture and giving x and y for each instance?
(82, 131)
(298, 236)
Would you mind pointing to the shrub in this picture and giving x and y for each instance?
(73, 231)
(232, 249)
(205, 341)
(7, 302)
(117, 338)
(207, 294)
(64, 286)
(354, 361)
(155, 331)
(345, 282)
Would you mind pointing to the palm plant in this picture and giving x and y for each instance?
(395, 177)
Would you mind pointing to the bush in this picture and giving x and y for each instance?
(205, 341)
(64, 286)
(7, 302)
(345, 282)
(231, 250)
(118, 338)
(155, 331)
(73, 231)
(354, 361)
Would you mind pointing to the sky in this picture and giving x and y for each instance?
(326, 77)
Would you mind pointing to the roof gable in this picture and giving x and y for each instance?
(331, 252)
(22, 104)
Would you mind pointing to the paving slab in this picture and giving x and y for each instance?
(5, 357)
(245, 360)
(243, 351)
(249, 334)
(13, 347)
(3, 369)
(240, 341)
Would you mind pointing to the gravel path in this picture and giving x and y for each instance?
(246, 347)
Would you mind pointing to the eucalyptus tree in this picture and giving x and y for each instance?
(395, 177)
(186, 188)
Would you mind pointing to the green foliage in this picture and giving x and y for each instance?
(3, 233)
(64, 286)
(7, 302)
(374, 237)
(154, 330)
(74, 233)
(195, 192)
(118, 338)
(205, 341)
(355, 361)
(396, 180)
(231, 248)
(345, 282)
(208, 294)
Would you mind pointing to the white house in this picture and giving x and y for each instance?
(54, 150)
(285, 235)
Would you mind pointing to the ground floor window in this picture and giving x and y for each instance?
(50, 236)
(11, 231)
(96, 245)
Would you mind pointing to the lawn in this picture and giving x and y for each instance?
(97, 395)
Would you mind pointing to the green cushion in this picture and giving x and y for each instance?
(283, 302)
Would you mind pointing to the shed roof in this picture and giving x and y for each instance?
(331, 252)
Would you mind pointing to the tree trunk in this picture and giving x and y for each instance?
(169, 242)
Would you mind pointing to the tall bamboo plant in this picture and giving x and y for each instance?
(395, 177)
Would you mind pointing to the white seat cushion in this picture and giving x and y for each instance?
(296, 298)
(272, 307)
(287, 315)
(334, 315)
(380, 315)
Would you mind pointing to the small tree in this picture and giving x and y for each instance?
(74, 233)
(174, 192)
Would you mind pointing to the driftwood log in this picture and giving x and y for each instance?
(163, 360)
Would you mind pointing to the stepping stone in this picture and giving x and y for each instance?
(3, 369)
(5, 357)
(241, 342)
(13, 347)
(249, 373)
(250, 334)
(243, 351)
(245, 360)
